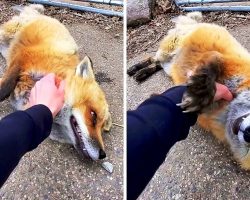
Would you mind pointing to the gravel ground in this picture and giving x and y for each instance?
(54, 170)
(199, 167)
(111, 25)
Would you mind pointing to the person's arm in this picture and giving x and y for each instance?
(21, 132)
(152, 129)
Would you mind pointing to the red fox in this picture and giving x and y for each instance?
(34, 45)
(212, 55)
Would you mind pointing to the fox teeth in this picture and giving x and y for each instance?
(78, 129)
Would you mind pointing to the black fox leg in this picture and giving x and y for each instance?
(135, 68)
(145, 73)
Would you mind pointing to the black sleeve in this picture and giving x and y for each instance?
(20, 132)
(152, 129)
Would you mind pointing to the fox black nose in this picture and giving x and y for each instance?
(246, 134)
(102, 154)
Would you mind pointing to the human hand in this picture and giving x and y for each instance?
(48, 91)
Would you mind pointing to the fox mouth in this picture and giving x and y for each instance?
(80, 146)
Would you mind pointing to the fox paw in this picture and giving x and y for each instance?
(199, 95)
(132, 70)
(139, 66)
(143, 74)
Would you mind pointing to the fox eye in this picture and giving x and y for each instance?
(94, 117)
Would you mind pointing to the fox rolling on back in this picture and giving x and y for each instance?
(212, 54)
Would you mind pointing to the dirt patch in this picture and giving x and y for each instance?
(103, 78)
(111, 25)
(142, 38)
(163, 7)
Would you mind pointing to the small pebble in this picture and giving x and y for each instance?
(108, 167)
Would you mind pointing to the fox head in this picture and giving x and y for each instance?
(88, 113)
(238, 126)
(85, 115)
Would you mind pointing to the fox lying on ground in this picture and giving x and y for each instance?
(34, 45)
(212, 55)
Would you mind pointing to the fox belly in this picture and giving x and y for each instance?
(44, 45)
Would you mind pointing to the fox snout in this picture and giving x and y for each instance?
(89, 111)
(102, 154)
(246, 134)
(241, 127)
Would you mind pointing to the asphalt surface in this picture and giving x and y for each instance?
(199, 167)
(54, 170)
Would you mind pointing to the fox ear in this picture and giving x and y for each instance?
(85, 68)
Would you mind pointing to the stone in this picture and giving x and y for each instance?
(108, 167)
(139, 11)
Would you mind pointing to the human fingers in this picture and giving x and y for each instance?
(61, 87)
(49, 77)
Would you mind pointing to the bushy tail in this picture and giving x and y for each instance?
(190, 18)
(197, 16)
(33, 8)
